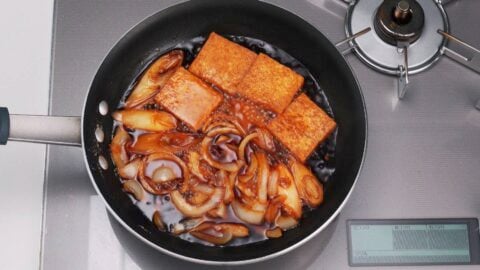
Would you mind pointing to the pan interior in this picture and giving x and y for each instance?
(171, 27)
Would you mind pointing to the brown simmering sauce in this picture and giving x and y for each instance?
(231, 155)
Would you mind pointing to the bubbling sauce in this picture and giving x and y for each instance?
(321, 162)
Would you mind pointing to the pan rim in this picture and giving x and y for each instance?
(233, 262)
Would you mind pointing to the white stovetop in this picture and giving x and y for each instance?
(25, 31)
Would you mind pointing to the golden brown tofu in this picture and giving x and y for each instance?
(302, 126)
(222, 62)
(188, 98)
(270, 83)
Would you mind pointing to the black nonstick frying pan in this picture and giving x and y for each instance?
(159, 34)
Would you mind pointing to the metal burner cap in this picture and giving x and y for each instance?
(380, 52)
(399, 21)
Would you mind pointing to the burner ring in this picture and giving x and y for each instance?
(381, 56)
(399, 21)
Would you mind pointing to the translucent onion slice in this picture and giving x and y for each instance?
(264, 139)
(229, 186)
(173, 142)
(272, 187)
(134, 188)
(273, 208)
(244, 143)
(274, 233)
(162, 187)
(156, 121)
(309, 188)
(197, 210)
(288, 189)
(117, 147)
(186, 225)
(247, 214)
(229, 167)
(130, 170)
(218, 212)
(221, 238)
(155, 78)
(157, 220)
(286, 222)
(262, 177)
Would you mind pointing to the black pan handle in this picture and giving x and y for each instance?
(61, 130)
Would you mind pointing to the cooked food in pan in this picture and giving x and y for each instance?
(217, 148)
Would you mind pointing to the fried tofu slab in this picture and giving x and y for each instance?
(270, 83)
(188, 98)
(302, 126)
(222, 62)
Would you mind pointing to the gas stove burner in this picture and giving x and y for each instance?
(399, 21)
(398, 24)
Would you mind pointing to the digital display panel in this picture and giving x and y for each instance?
(412, 242)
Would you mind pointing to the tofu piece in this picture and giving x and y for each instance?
(222, 62)
(188, 98)
(270, 83)
(302, 126)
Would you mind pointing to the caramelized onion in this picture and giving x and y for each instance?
(218, 212)
(229, 186)
(157, 186)
(117, 147)
(193, 210)
(273, 208)
(146, 120)
(130, 170)
(262, 177)
(134, 188)
(272, 188)
(229, 167)
(309, 188)
(157, 220)
(288, 189)
(264, 139)
(155, 78)
(216, 238)
(243, 145)
(186, 225)
(247, 214)
(286, 222)
(274, 233)
(171, 142)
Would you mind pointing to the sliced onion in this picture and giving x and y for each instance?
(309, 188)
(130, 170)
(134, 188)
(229, 167)
(229, 186)
(162, 187)
(237, 230)
(162, 174)
(288, 189)
(218, 212)
(273, 208)
(221, 238)
(193, 210)
(264, 140)
(186, 225)
(286, 222)
(117, 147)
(272, 188)
(156, 121)
(155, 78)
(244, 143)
(194, 165)
(157, 220)
(171, 142)
(274, 233)
(246, 214)
(262, 177)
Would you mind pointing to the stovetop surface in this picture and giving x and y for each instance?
(422, 161)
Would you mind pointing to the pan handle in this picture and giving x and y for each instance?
(58, 130)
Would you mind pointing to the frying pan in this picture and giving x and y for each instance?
(158, 34)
